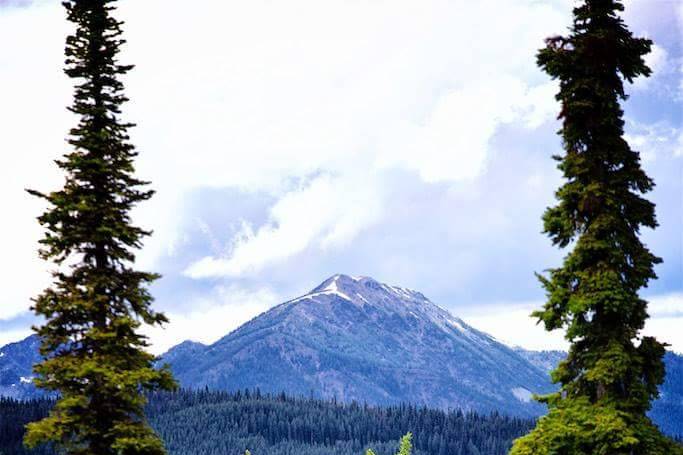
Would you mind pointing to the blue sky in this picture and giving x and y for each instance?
(407, 141)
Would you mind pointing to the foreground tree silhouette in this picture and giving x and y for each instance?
(95, 358)
(610, 376)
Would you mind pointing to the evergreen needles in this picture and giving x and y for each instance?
(610, 375)
(94, 356)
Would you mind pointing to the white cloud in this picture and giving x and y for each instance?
(659, 62)
(254, 95)
(666, 319)
(212, 317)
(653, 141)
(345, 88)
(453, 143)
(329, 211)
(33, 94)
(679, 17)
(11, 336)
(511, 323)
(452, 146)
(666, 306)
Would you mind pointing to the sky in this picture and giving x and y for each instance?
(409, 141)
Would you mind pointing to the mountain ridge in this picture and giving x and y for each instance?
(16, 368)
(356, 339)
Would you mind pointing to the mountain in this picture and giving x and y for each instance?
(543, 360)
(358, 339)
(16, 364)
(353, 338)
(667, 410)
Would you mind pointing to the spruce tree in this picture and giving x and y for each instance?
(611, 373)
(406, 445)
(94, 356)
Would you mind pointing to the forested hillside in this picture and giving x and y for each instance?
(13, 416)
(219, 423)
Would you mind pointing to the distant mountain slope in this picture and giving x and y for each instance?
(667, 410)
(358, 339)
(544, 360)
(16, 365)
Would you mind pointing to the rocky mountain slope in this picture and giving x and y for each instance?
(543, 360)
(357, 339)
(16, 364)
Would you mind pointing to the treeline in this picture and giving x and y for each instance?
(221, 423)
(13, 416)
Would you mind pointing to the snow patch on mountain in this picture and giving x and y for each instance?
(522, 394)
(331, 288)
(334, 289)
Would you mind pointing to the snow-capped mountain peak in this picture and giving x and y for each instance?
(356, 338)
(361, 290)
(388, 299)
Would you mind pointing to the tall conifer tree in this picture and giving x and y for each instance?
(95, 358)
(610, 375)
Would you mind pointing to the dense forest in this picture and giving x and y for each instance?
(220, 423)
(13, 416)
